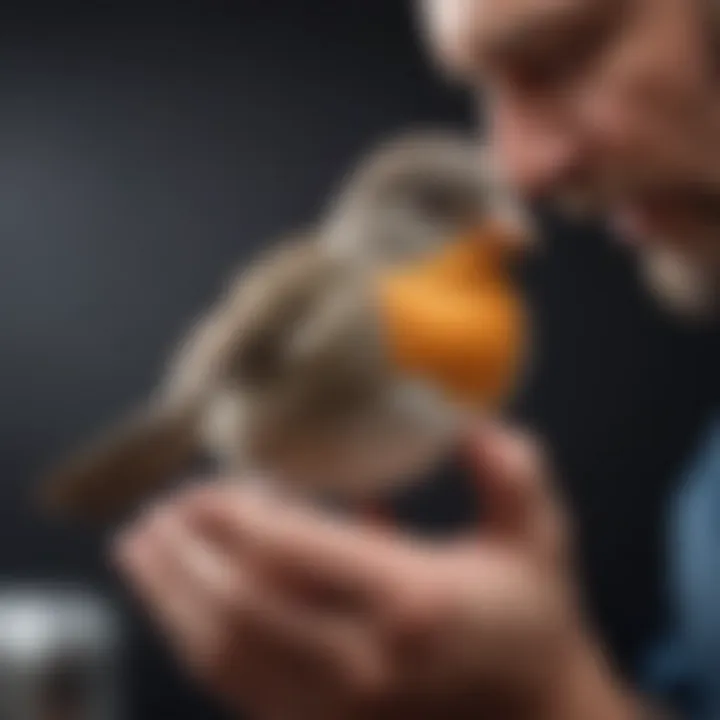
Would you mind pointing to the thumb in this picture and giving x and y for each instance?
(514, 481)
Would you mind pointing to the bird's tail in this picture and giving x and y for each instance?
(124, 465)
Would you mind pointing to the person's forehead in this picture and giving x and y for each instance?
(464, 29)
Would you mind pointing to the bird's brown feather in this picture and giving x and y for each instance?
(127, 463)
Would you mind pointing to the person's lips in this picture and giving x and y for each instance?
(634, 224)
(668, 217)
(654, 220)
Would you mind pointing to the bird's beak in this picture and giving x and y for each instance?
(509, 232)
(458, 318)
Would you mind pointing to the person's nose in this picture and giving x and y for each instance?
(536, 150)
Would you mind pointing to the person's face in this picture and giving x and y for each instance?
(610, 105)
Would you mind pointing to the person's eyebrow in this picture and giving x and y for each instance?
(536, 32)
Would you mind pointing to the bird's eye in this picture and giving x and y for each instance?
(440, 203)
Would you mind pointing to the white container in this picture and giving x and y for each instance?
(59, 655)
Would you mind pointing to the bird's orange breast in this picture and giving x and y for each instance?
(457, 320)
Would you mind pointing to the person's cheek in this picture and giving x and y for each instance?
(532, 140)
(610, 103)
(644, 100)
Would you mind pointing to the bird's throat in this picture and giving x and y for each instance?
(457, 319)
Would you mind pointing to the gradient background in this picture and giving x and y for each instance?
(144, 151)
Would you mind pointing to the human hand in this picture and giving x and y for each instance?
(290, 614)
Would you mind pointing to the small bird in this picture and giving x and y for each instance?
(344, 359)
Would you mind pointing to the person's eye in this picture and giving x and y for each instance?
(543, 72)
(552, 60)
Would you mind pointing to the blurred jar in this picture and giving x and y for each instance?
(59, 655)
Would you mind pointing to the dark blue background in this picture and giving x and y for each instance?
(145, 150)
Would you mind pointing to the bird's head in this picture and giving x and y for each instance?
(421, 192)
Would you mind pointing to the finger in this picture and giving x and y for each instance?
(202, 599)
(244, 640)
(320, 661)
(513, 479)
(144, 557)
(276, 654)
(304, 548)
(508, 474)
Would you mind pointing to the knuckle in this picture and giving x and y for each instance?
(197, 498)
(207, 666)
(414, 615)
(221, 652)
(148, 522)
(368, 688)
(534, 456)
(231, 603)
(216, 661)
(365, 693)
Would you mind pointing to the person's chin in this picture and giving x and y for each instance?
(686, 287)
(680, 276)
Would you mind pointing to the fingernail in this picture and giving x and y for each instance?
(122, 547)
(166, 523)
(259, 490)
